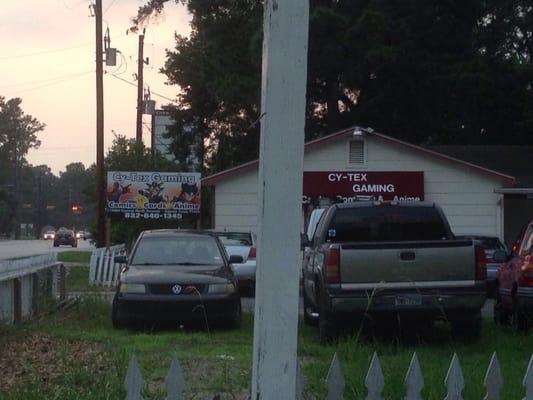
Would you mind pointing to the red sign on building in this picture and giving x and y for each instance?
(348, 186)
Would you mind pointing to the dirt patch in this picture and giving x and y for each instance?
(44, 358)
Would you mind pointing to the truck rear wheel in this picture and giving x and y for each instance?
(308, 309)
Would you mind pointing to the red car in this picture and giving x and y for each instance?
(514, 302)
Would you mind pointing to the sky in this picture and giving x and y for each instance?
(48, 60)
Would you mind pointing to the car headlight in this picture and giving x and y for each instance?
(132, 288)
(221, 288)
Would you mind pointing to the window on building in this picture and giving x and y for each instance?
(356, 152)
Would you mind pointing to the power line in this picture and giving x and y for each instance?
(134, 84)
(109, 6)
(57, 82)
(43, 80)
(73, 6)
(38, 53)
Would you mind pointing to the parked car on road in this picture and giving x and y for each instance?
(514, 303)
(82, 235)
(491, 244)
(177, 276)
(242, 244)
(48, 235)
(65, 237)
(391, 259)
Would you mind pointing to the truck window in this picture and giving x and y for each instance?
(383, 224)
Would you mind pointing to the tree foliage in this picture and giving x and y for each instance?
(425, 71)
(18, 134)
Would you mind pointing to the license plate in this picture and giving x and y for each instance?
(408, 300)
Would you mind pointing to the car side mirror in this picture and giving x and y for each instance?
(122, 259)
(236, 259)
(304, 241)
(500, 256)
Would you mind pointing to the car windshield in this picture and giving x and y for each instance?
(235, 239)
(177, 250)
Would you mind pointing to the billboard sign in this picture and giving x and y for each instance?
(152, 195)
(348, 186)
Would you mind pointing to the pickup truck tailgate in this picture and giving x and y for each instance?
(430, 261)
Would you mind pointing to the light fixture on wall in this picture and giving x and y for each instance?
(357, 133)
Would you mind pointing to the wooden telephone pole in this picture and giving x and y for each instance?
(140, 68)
(280, 199)
(100, 179)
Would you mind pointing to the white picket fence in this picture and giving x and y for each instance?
(374, 382)
(102, 268)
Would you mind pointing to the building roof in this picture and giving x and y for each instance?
(509, 180)
(511, 160)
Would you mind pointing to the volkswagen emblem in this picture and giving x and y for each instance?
(176, 289)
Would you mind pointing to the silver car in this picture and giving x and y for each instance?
(242, 244)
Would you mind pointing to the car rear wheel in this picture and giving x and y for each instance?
(500, 314)
(521, 320)
(467, 326)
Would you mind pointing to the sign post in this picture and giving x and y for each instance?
(280, 199)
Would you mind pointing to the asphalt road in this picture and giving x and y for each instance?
(25, 248)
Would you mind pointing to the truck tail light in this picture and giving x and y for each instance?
(481, 264)
(333, 275)
(252, 253)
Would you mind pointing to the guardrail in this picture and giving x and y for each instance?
(102, 268)
(28, 285)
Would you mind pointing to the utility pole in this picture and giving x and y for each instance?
(283, 88)
(18, 195)
(100, 180)
(140, 67)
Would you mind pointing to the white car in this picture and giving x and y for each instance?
(49, 235)
(242, 244)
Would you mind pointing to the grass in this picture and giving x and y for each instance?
(80, 257)
(220, 360)
(78, 275)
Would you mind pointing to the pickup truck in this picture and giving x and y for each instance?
(390, 258)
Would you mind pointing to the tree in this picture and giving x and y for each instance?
(424, 71)
(18, 134)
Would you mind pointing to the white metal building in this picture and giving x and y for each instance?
(356, 162)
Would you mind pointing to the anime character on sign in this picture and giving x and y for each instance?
(140, 200)
(153, 192)
(189, 194)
